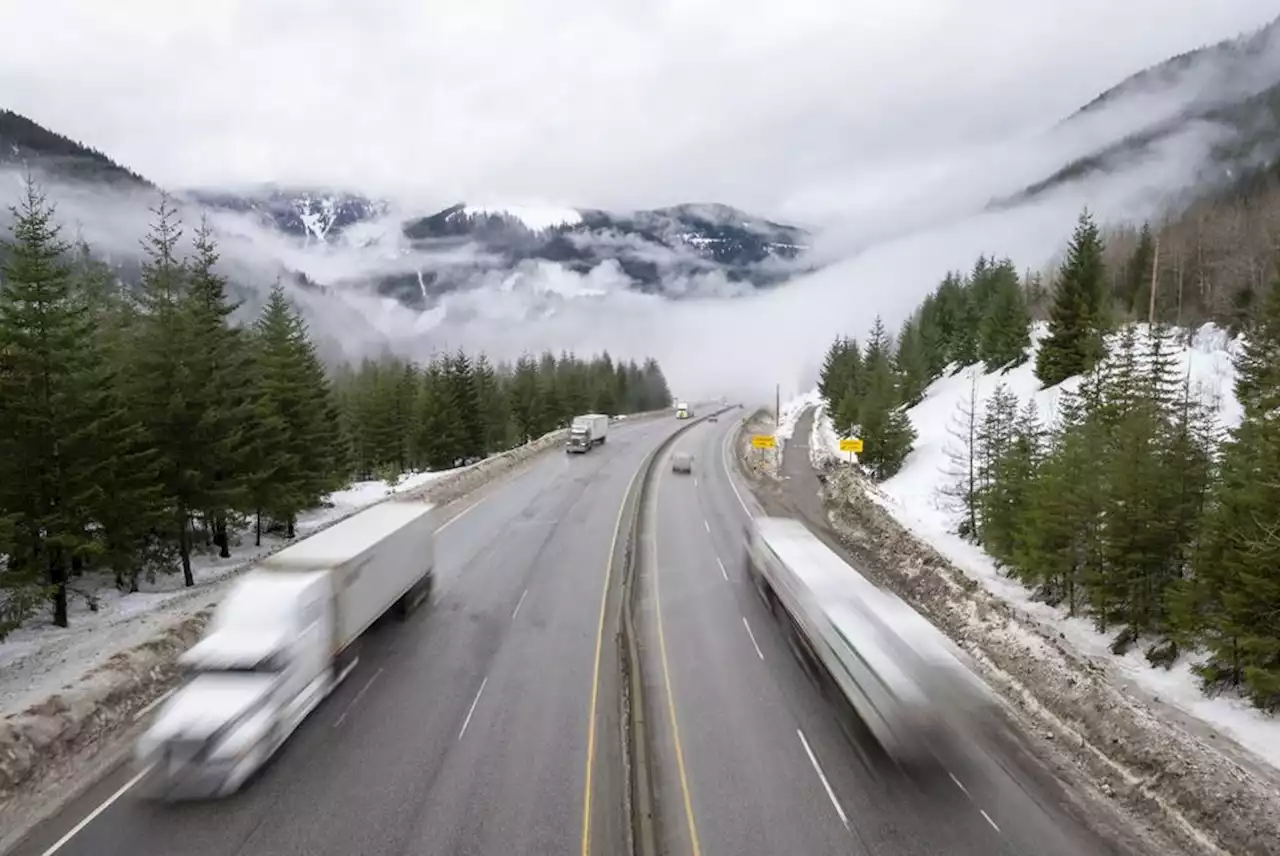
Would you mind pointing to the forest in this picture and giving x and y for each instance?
(141, 425)
(1133, 506)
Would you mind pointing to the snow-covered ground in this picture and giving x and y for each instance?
(40, 658)
(914, 499)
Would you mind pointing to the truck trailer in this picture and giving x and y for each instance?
(586, 432)
(903, 679)
(281, 640)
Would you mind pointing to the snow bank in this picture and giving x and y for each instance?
(793, 410)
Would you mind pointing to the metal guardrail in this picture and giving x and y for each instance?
(640, 785)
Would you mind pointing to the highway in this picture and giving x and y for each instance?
(750, 758)
(467, 730)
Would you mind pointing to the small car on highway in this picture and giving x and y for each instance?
(682, 462)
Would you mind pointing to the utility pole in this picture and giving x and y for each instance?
(777, 404)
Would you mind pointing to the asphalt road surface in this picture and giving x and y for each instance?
(750, 757)
(464, 731)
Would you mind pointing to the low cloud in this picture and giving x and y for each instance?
(886, 232)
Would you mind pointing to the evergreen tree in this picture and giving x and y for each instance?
(526, 399)
(1004, 336)
(886, 431)
(911, 363)
(1235, 593)
(494, 413)
(219, 379)
(164, 383)
(1135, 294)
(297, 391)
(53, 409)
(465, 399)
(1076, 319)
(1013, 473)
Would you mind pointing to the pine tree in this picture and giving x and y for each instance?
(297, 393)
(831, 377)
(1135, 293)
(438, 424)
(886, 431)
(951, 303)
(910, 363)
(1013, 473)
(526, 399)
(1235, 593)
(219, 378)
(494, 414)
(1004, 336)
(656, 382)
(163, 382)
(1063, 511)
(1076, 319)
(53, 411)
(466, 400)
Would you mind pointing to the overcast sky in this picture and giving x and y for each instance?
(579, 102)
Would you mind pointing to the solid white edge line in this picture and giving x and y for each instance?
(723, 572)
(454, 518)
(89, 818)
(759, 653)
(989, 820)
(728, 473)
(516, 611)
(150, 706)
(475, 701)
(364, 689)
(823, 776)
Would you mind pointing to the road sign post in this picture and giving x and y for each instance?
(763, 441)
(852, 445)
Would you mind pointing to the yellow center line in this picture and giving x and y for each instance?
(595, 678)
(666, 677)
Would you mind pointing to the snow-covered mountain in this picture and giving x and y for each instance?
(313, 216)
(685, 250)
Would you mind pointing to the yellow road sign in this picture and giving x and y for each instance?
(763, 441)
(851, 445)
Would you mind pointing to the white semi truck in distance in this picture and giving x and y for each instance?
(683, 410)
(586, 432)
(907, 683)
(279, 642)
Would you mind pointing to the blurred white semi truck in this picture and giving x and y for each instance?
(908, 683)
(586, 432)
(280, 641)
(683, 410)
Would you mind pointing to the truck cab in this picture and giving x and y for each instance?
(262, 667)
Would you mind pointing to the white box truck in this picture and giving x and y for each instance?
(907, 682)
(586, 432)
(279, 642)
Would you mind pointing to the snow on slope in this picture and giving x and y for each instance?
(913, 498)
(40, 659)
(534, 217)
